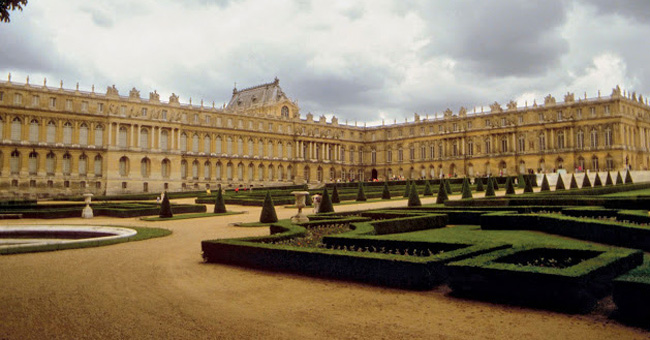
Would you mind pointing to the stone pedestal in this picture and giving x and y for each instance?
(88, 211)
(300, 203)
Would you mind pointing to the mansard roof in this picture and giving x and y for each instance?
(257, 96)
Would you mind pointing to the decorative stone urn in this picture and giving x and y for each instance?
(300, 203)
(88, 211)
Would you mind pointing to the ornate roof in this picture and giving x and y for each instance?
(257, 96)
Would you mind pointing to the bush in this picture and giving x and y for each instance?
(219, 204)
(361, 194)
(545, 186)
(597, 181)
(560, 183)
(165, 208)
(628, 178)
(427, 189)
(529, 185)
(479, 184)
(466, 191)
(609, 181)
(268, 214)
(442, 193)
(586, 183)
(510, 187)
(414, 199)
(521, 181)
(495, 183)
(489, 192)
(574, 183)
(326, 204)
(619, 179)
(335, 195)
(385, 195)
(448, 187)
(407, 189)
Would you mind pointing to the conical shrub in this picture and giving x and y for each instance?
(597, 182)
(619, 179)
(586, 183)
(545, 185)
(574, 183)
(335, 195)
(166, 207)
(414, 199)
(466, 190)
(361, 193)
(427, 189)
(219, 203)
(407, 189)
(521, 182)
(489, 192)
(494, 183)
(326, 203)
(608, 180)
(447, 187)
(510, 187)
(268, 214)
(442, 193)
(628, 178)
(479, 184)
(560, 183)
(528, 188)
(385, 195)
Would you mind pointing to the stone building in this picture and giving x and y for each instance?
(56, 141)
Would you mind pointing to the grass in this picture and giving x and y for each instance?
(142, 234)
(188, 216)
(632, 193)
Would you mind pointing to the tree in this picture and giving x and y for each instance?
(510, 186)
(268, 214)
(166, 207)
(586, 183)
(628, 178)
(427, 189)
(597, 181)
(545, 185)
(529, 185)
(447, 187)
(574, 183)
(494, 183)
(414, 199)
(479, 184)
(361, 194)
(385, 195)
(442, 193)
(335, 195)
(407, 188)
(489, 192)
(326, 203)
(219, 204)
(560, 183)
(466, 190)
(619, 179)
(521, 182)
(10, 5)
(608, 180)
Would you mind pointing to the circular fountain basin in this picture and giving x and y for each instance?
(23, 236)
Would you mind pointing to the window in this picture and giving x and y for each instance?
(289, 151)
(488, 146)
(521, 119)
(121, 142)
(423, 152)
(455, 127)
(83, 165)
(592, 111)
(83, 134)
(559, 115)
(52, 103)
(400, 155)
(196, 118)
(32, 165)
(124, 166)
(240, 146)
(411, 153)
(594, 164)
(123, 110)
(145, 167)
(99, 135)
(240, 124)
(144, 112)
(33, 131)
(206, 144)
(68, 104)
(36, 100)
(165, 168)
(183, 142)
(504, 144)
(16, 129)
(469, 125)
(84, 106)
(217, 145)
(66, 164)
(579, 113)
(389, 156)
(67, 133)
(144, 138)
(503, 122)
(580, 139)
(607, 110)
(229, 145)
(260, 148)
(521, 147)
(50, 163)
(560, 140)
(269, 149)
(195, 143)
(207, 170)
(164, 140)
(18, 99)
(100, 107)
(98, 166)
(183, 169)
(285, 112)
(470, 148)
(163, 115)
(250, 147)
(229, 122)
(488, 122)
(14, 162)
(541, 117)
(608, 137)
(280, 151)
(432, 151)
(542, 142)
(594, 138)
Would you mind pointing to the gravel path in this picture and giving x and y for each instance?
(160, 288)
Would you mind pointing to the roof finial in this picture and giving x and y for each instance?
(234, 89)
(27, 81)
(276, 81)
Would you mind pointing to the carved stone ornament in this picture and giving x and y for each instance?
(569, 97)
(549, 100)
(112, 91)
(512, 105)
(496, 107)
(134, 94)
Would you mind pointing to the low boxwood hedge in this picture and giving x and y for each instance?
(47, 211)
(632, 293)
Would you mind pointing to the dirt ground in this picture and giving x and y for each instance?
(161, 288)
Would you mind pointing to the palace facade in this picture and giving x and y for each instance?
(56, 141)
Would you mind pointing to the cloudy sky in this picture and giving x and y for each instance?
(357, 60)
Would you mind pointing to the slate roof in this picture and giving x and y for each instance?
(257, 96)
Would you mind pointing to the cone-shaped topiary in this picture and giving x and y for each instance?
(510, 187)
(574, 183)
(219, 203)
(521, 182)
(545, 185)
(427, 189)
(495, 184)
(335, 195)
(489, 192)
(479, 184)
(385, 195)
(442, 193)
(407, 188)
(166, 207)
(597, 182)
(325, 203)
(586, 183)
(466, 190)
(529, 185)
(560, 183)
(361, 194)
(447, 187)
(619, 179)
(628, 178)
(414, 199)
(533, 180)
(608, 180)
(268, 210)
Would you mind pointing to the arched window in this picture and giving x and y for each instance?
(608, 136)
(99, 135)
(195, 169)
(14, 162)
(98, 166)
(183, 169)
(51, 132)
(33, 131)
(305, 174)
(217, 170)
(164, 140)
(260, 173)
(560, 140)
(594, 138)
(33, 163)
(240, 171)
(289, 151)
(2, 128)
(217, 145)
(504, 144)
(183, 142)
(289, 173)
(195, 143)
(251, 172)
(124, 166)
(16, 129)
(594, 164)
(229, 171)
(144, 138)
(66, 164)
(207, 170)
(122, 137)
(165, 168)
(280, 150)
(229, 145)
(270, 173)
(83, 134)
(206, 144)
(250, 148)
(83, 165)
(542, 141)
(580, 140)
(285, 112)
(269, 149)
(280, 173)
(260, 148)
(50, 163)
(240, 146)
(67, 133)
(522, 144)
(145, 167)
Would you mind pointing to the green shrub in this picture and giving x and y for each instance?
(307, 200)
(574, 183)
(165, 208)
(442, 193)
(510, 187)
(529, 184)
(385, 195)
(609, 181)
(325, 203)
(335, 195)
(361, 194)
(219, 203)
(414, 199)
(619, 179)
(545, 186)
(427, 189)
(560, 183)
(597, 182)
(268, 214)
(466, 190)
(495, 183)
(407, 189)
(479, 184)
(448, 187)
(489, 192)
(586, 183)
(628, 178)
(521, 181)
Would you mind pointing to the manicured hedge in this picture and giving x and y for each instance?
(632, 294)
(47, 211)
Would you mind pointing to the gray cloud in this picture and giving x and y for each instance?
(637, 10)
